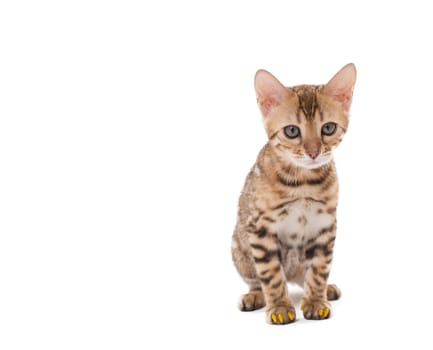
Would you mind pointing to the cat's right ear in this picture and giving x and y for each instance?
(269, 91)
(340, 87)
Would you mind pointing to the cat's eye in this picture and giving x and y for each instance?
(292, 131)
(329, 129)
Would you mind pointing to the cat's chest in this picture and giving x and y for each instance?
(302, 220)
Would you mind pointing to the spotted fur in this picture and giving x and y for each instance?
(286, 226)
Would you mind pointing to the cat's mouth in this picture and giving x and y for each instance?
(309, 163)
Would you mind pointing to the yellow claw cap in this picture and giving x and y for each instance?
(290, 316)
(281, 318)
(326, 313)
(302, 306)
(274, 318)
(320, 312)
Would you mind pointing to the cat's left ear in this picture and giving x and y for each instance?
(269, 91)
(340, 87)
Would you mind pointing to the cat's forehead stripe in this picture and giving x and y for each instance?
(307, 100)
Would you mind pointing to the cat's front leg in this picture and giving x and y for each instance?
(265, 252)
(315, 305)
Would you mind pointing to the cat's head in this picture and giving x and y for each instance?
(305, 123)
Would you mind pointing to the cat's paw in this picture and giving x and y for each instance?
(316, 310)
(251, 301)
(282, 314)
(332, 292)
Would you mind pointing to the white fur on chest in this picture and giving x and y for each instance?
(304, 219)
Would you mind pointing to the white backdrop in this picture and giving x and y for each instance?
(126, 132)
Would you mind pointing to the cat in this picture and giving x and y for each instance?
(286, 224)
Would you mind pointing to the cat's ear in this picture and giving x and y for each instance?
(340, 87)
(269, 91)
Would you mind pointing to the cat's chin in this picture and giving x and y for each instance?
(308, 163)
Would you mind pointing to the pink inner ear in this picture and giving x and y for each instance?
(340, 87)
(268, 103)
(269, 91)
(345, 98)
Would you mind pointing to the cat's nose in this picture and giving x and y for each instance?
(313, 154)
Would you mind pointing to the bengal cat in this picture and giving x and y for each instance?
(286, 224)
